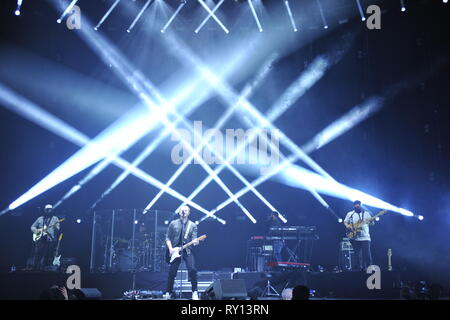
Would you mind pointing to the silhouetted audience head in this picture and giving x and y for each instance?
(436, 291)
(286, 294)
(300, 293)
(54, 293)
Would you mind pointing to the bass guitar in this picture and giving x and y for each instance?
(57, 259)
(355, 228)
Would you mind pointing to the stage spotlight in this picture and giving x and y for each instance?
(402, 4)
(291, 17)
(377, 219)
(37, 115)
(420, 218)
(180, 6)
(78, 221)
(211, 13)
(139, 16)
(136, 222)
(340, 220)
(208, 16)
(250, 3)
(361, 11)
(246, 107)
(300, 177)
(19, 5)
(445, 1)
(324, 20)
(67, 11)
(106, 14)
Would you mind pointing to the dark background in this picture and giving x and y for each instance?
(399, 155)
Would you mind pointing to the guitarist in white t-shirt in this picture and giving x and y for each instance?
(45, 229)
(359, 237)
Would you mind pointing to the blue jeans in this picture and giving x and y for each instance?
(277, 248)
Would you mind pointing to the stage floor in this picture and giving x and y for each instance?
(330, 286)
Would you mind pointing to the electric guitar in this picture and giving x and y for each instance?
(57, 259)
(355, 228)
(177, 252)
(39, 233)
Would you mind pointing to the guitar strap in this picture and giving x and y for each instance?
(188, 229)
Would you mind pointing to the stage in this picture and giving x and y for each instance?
(150, 285)
(270, 144)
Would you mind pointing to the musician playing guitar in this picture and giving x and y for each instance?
(180, 232)
(45, 230)
(361, 239)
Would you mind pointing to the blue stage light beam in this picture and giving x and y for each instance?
(402, 6)
(230, 96)
(169, 22)
(67, 11)
(252, 8)
(114, 140)
(139, 16)
(39, 116)
(322, 15)
(291, 16)
(345, 123)
(110, 10)
(147, 151)
(205, 6)
(208, 16)
(216, 81)
(356, 115)
(140, 85)
(304, 82)
(77, 187)
(361, 11)
(18, 8)
(331, 132)
(219, 124)
(135, 79)
(297, 176)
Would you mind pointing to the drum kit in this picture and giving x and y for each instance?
(129, 240)
(139, 254)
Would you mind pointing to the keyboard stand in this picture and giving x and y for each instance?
(270, 291)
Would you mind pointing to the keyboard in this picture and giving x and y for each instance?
(285, 264)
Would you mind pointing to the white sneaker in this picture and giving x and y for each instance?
(195, 295)
(166, 296)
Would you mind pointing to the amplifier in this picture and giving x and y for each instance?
(185, 286)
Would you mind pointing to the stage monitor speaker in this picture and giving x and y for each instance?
(226, 289)
(87, 294)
